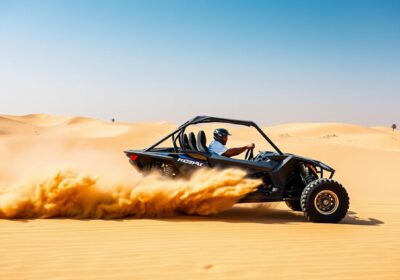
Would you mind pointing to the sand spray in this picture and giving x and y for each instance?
(108, 190)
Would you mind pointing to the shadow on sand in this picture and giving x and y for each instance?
(265, 215)
(353, 219)
(261, 215)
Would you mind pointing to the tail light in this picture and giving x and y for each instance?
(133, 157)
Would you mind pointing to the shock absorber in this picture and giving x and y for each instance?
(306, 175)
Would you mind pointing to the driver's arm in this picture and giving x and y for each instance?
(237, 151)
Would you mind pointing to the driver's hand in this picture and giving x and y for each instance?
(251, 146)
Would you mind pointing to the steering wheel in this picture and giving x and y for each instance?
(249, 154)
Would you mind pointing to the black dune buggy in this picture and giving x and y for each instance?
(297, 180)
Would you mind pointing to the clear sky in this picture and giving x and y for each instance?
(269, 61)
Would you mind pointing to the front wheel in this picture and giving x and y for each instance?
(324, 201)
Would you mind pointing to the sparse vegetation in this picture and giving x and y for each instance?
(394, 126)
(329, 136)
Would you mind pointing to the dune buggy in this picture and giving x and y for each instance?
(296, 180)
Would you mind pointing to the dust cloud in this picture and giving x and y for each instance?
(73, 194)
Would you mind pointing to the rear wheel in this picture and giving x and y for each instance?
(294, 205)
(168, 170)
(324, 201)
(164, 169)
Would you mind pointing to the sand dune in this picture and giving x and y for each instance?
(80, 127)
(245, 242)
(40, 119)
(338, 134)
(14, 126)
(321, 129)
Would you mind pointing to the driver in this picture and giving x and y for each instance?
(217, 146)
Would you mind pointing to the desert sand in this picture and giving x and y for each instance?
(40, 153)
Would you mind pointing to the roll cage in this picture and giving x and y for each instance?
(175, 135)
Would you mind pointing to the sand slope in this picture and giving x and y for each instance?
(246, 242)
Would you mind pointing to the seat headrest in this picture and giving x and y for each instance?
(184, 141)
(202, 142)
(192, 141)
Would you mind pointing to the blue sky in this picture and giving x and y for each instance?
(270, 61)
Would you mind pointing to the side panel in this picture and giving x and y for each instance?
(282, 171)
(251, 166)
(181, 161)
